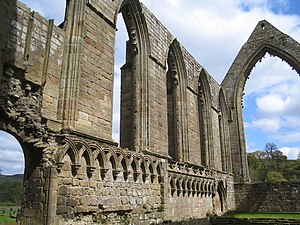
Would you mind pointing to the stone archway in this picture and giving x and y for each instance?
(11, 174)
(205, 107)
(177, 104)
(265, 38)
(220, 199)
(134, 77)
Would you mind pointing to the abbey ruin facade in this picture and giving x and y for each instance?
(182, 145)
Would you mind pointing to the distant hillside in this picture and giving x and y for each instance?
(15, 176)
(11, 187)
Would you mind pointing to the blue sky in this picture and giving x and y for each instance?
(213, 31)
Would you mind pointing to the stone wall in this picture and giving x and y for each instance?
(267, 197)
(110, 180)
(178, 130)
(56, 99)
(196, 192)
(104, 183)
(35, 45)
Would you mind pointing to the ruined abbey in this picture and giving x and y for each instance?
(182, 144)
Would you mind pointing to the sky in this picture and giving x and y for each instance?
(213, 31)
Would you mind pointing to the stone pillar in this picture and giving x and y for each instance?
(51, 195)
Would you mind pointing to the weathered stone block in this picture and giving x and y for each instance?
(61, 200)
(63, 190)
(62, 209)
(71, 202)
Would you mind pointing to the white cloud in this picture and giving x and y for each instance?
(274, 88)
(289, 137)
(7, 141)
(265, 125)
(290, 152)
(8, 156)
(272, 104)
(291, 122)
(273, 73)
(11, 155)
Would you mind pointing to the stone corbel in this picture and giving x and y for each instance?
(59, 166)
(103, 172)
(75, 168)
(153, 176)
(160, 179)
(126, 174)
(136, 174)
(90, 170)
(116, 172)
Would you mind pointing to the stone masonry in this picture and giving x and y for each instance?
(278, 197)
(182, 142)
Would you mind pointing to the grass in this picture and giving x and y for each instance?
(4, 217)
(7, 220)
(295, 215)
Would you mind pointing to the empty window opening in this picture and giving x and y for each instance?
(271, 107)
(11, 155)
(120, 52)
(11, 174)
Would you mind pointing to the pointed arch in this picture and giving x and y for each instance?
(135, 169)
(88, 154)
(178, 186)
(221, 195)
(205, 122)
(101, 161)
(71, 150)
(172, 186)
(135, 103)
(97, 151)
(144, 170)
(176, 104)
(224, 132)
(265, 38)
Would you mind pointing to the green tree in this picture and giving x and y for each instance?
(270, 150)
(271, 165)
(275, 177)
(10, 190)
(256, 169)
